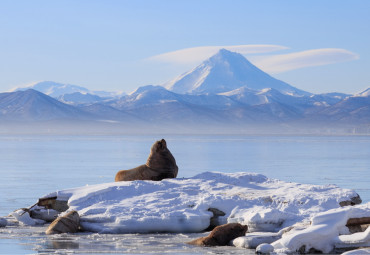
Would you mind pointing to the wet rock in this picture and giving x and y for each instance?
(221, 235)
(68, 223)
(214, 222)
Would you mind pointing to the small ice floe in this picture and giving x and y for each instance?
(191, 205)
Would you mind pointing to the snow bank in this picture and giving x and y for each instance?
(181, 205)
(327, 231)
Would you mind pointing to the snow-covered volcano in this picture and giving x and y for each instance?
(227, 71)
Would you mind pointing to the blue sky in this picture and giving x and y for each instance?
(318, 46)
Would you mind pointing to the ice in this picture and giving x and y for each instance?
(327, 231)
(24, 218)
(182, 205)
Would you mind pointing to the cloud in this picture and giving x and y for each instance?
(297, 60)
(198, 54)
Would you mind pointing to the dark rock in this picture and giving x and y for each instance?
(214, 222)
(53, 203)
(358, 224)
(354, 201)
(221, 235)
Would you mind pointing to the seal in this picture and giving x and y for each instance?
(160, 165)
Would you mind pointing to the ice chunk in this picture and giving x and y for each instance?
(24, 218)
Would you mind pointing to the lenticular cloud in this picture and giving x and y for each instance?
(308, 58)
(198, 54)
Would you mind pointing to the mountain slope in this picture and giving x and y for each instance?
(224, 72)
(353, 109)
(31, 105)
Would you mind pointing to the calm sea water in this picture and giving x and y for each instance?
(32, 166)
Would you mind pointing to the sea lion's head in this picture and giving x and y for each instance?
(159, 146)
(161, 159)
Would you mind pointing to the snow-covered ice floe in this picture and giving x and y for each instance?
(186, 205)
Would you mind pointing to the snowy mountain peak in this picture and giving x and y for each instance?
(227, 71)
(56, 90)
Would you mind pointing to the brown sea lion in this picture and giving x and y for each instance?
(160, 165)
(221, 235)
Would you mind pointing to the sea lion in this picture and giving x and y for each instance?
(160, 165)
(221, 235)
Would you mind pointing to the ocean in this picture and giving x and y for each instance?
(32, 166)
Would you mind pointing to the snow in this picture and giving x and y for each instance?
(327, 231)
(181, 205)
(265, 248)
(358, 252)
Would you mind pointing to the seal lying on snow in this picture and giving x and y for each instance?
(160, 165)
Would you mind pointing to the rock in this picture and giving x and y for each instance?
(354, 201)
(3, 223)
(214, 222)
(358, 224)
(264, 248)
(53, 203)
(221, 235)
(48, 215)
(68, 223)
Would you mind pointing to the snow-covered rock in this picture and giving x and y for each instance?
(182, 205)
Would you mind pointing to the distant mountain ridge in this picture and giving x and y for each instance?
(226, 92)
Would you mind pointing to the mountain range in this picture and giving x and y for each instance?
(226, 93)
